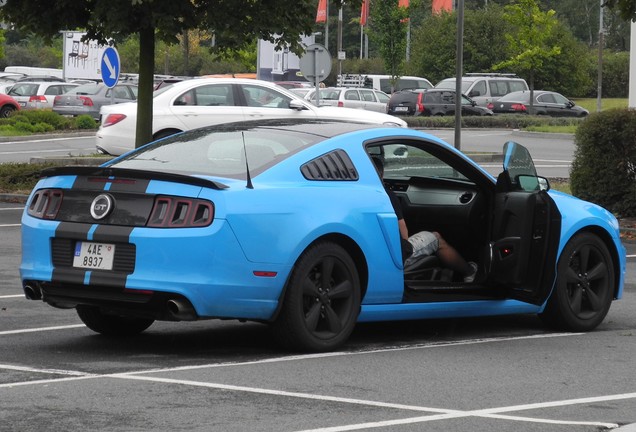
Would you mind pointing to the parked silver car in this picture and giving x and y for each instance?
(360, 98)
(38, 94)
(89, 98)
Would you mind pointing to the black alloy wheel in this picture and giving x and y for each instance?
(322, 300)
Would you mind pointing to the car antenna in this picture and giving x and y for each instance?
(247, 167)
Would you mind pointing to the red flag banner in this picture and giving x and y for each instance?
(364, 14)
(321, 15)
(404, 3)
(442, 5)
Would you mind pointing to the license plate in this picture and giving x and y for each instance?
(401, 109)
(23, 104)
(94, 255)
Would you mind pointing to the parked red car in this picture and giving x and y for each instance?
(7, 105)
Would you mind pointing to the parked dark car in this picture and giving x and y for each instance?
(89, 98)
(431, 102)
(545, 103)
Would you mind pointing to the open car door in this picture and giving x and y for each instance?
(526, 230)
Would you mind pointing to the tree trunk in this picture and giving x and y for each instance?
(146, 82)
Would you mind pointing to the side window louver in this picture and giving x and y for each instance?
(335, 165)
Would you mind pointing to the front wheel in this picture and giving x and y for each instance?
(6, 111)
(111, 325)
(322, 300)
(584, 287)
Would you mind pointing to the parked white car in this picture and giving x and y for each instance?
(202, 102)
(38, 94)
(358, 98)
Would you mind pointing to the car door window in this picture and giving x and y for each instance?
(382, 97)
(448, 97)
(122, 93)
(264, 97)
(367, 95)
(547, 99)
(352, 95)
(209, 95)
(479, 89)
(498, 88)
(560, 99)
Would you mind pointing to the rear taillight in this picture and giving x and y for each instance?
(518, 107)
(46, 203)
(37, 99)
(112, 119)
(57, 99)
(340, 104)
(177, 212)
(420, 106)
(490, 106)
(86, 101)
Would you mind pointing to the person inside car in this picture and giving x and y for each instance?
(425, 243)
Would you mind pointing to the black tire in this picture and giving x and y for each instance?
(6, 111)
(322, 300)
(584, 287)
(112, 325)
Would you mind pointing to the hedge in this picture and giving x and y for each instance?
(604, 166)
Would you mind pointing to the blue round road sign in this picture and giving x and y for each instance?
(110, 67)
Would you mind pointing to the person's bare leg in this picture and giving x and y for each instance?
(449, 256)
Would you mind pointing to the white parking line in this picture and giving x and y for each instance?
(12, 208)
(40, 329)
(436, 413)
(9, 225)
(12, 296)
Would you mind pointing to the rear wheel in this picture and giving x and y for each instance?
(322, 300)
(584, 287)
(111, 325)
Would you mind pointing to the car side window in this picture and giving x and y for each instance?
(498, 88)
(121, 93)
(560, 99)
(547, 98)
(212, 95)
(352, 95)
(479, 89)
(382, 97)
(448, 97)
(265, 97)
(367, 95)
(432, 97)
(54, 90)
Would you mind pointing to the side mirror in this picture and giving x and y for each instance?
(570, 104)
(531, 183)
(296, 105)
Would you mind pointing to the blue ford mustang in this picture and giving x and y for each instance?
(287, 222)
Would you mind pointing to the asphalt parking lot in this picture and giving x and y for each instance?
(489, 374)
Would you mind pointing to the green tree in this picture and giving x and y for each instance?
(626, 8)
(388, 29)
(529, 42)
(235, 24)
(484, 43)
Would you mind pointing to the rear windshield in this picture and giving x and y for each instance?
(85, 89)
(219, 153)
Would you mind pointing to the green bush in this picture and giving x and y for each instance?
(506, 121)
(604, 166)
(85, 122)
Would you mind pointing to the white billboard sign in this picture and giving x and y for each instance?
(82, 59)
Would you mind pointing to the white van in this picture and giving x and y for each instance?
(383, 82)
(484, 88)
